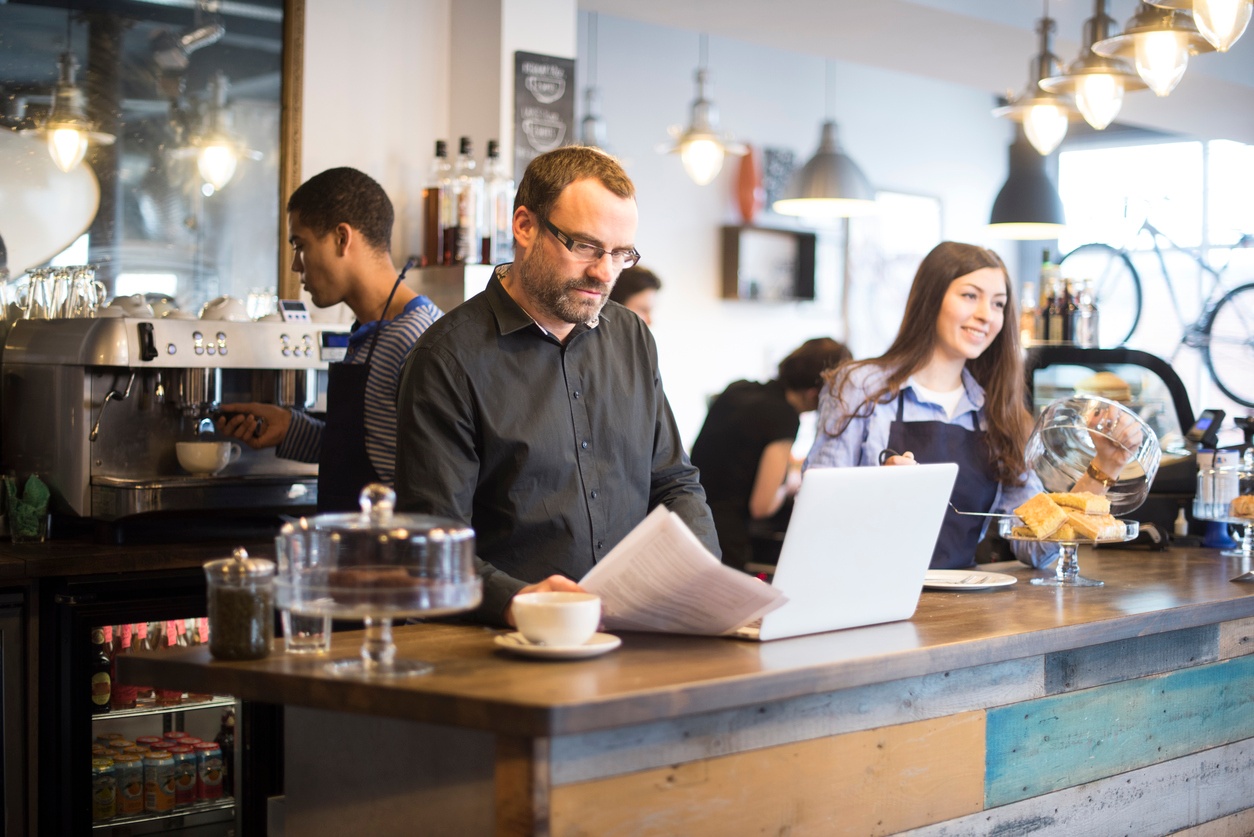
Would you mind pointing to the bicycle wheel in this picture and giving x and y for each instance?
(1229, 348)
(1116, 289)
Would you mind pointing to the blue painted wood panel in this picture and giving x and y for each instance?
(1055, 742)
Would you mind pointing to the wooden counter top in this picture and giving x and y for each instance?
(651, 677)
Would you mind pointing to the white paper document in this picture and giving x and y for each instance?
(661, 578)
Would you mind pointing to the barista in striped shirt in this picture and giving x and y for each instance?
(341, 232)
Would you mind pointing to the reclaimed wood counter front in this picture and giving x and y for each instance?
(1022, 710)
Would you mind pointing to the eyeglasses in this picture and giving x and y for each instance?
(585, 252)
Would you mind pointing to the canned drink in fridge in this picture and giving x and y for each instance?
(184, 776)
(103, 790)
(128, 770)
(209, 769)
(158, 782)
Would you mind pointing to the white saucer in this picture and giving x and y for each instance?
(597, 644)
(974, 579)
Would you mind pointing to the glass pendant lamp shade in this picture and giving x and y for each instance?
(701, 147)
(1159, 42)
(592, 128)
(830, 185)
(1097, 82)
(216, 163)
(1161, 59)
(1220, 22)
(1045, 125)
(68, 130)
(1044, 113)
(1027, 207)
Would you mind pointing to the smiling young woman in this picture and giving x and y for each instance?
(949, 389)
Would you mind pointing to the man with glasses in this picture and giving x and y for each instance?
(534, 411)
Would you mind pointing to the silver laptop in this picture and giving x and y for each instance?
(857, 547)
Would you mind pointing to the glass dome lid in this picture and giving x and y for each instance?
(1067, 438)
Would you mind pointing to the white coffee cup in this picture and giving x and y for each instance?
(206, 457)
(557, 618)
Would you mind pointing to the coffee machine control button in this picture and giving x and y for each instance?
(171, 349)
(197, 336)
(287, 352)
(198, 349)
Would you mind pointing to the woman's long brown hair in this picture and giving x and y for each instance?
(998, 369)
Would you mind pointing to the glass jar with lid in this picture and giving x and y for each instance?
(1225, 493)
(241, 606)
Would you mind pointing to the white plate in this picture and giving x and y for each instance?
(965, 580)
(597, 644)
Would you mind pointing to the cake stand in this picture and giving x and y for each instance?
(1067, 568)
(377, 566)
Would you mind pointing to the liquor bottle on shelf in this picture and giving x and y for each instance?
(498, 230)
(435, 197)
(1070, 310)
(1027, 317)
(467, 203)
(1045, 309)
(100, 665)
(1085, 329)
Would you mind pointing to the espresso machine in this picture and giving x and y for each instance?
(96, 406)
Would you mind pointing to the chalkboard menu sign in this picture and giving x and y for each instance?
(544, 106)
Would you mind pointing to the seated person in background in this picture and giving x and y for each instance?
(744, 450)
(341, 235)
(636, 290)
(534, 412)
(949, 389)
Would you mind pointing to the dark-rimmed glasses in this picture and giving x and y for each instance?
(585, 252)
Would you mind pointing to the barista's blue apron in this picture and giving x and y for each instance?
(974, 490)
(344, 466)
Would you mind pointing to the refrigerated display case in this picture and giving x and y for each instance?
(72, 608)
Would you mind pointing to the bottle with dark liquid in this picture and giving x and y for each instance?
(434, 196)
(498, 189)
(1057, 311)
(1045, 304)
(1070, 311)
(467, 207)
(100, 666)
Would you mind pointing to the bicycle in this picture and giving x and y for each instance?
(1223, 330)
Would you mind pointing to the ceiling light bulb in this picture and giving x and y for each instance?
(67, 146)
(1222, 21)
(702, 159)
(216, 164)
(1161, 59)
(1045, 125)
(1099, 97)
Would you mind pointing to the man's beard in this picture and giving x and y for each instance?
(540, 279)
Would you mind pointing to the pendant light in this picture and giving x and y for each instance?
(1028, 207)
(1044, 114)
(1221, 22)
(701, 147)
(67, 129)
(1097, 82)
(218, 150)
(1159, 42)
(592, 129)
(830, 185)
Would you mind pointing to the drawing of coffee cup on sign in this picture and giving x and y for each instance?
(546, 89)
(543, 134)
